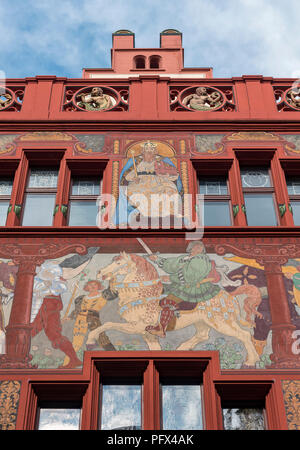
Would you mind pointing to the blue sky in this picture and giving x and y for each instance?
(235, 37)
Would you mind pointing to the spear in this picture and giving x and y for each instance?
(133, 160)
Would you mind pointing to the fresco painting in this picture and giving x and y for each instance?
(137, 301)
(150, 172)
(8, 271)
(291, 271)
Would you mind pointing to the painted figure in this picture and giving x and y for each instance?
(95, 100)
(49, 284)
(142, 288)
(86, 315)
(192, 279)
(149, 175)
(201, 100)
(8, 273)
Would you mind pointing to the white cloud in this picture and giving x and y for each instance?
(235, 37)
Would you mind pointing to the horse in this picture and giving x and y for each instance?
(139, 294)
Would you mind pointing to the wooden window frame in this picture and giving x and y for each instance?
(93, 168)
(212, 169)
(260, 157)
(38, 190)
(217, 387)
(290, 168)
(85, 198)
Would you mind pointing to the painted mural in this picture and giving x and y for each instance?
(291, 271)
(8, 271)
(150, 172)
(137, 301)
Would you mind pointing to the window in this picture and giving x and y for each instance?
(216, 200)
(40, 194)
(140, 62)
(243, 419)
(293, 187)
(5, 192)
(243, 404)
(83, 209)
(58, 416)
(152, 390)
(154, 62)
(181, 407)
(121, 405)
(258, 194)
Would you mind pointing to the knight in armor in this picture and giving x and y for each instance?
(192, 279)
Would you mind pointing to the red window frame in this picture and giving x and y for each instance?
(84, 387)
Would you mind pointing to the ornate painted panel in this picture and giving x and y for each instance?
(131, 301)
(291, 394)
(9, 403)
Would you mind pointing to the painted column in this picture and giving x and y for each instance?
(18, 330)
(282, 327)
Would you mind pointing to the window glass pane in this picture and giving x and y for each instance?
(255, 177)
(296, 212)
(59, 419)
(3, 212)
(216, 214)
(121, 407)
(85, 186)
(83, 213)
(43, 178)
(39, 209)
(243, 419)
(5, 186)
(181, 406)
(293, 185)
(213, 186)
(260, 209)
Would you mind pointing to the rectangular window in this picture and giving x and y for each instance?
(293, 187)
(40, 195)
(216, 201)
(181, 406)
(63, 416)
(258, 194)
(83, 207)
(6, 184)
(243, 419)
(121, 406)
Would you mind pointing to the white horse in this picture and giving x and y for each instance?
(139, 294)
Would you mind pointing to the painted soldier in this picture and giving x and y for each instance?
(49, 284)
(192, 279)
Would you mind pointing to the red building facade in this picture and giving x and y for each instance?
(211, 296)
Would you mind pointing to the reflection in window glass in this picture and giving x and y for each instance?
(6, 186)
(216, 213)
(260, 209)
(3, 212)
(85, 186)
(296, 212)
(255, 178)
(181, 407)
(121, 407)
(243, 419)
(43, 178)
(213, 186)
(293, 185)
(59, 419)
(83, 213)
(39, 209)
